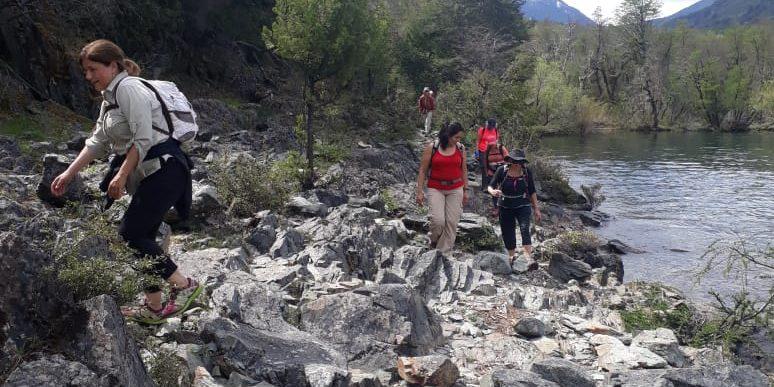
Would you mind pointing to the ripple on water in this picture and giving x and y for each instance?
(678, 191)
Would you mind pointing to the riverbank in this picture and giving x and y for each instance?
(337, 287)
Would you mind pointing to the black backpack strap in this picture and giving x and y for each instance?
(436, 144)
(164, 108)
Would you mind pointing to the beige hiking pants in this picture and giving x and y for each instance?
(445, 213)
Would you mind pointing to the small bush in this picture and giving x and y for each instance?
(593, 195)
(554, 182)
(391, 205)
(169, 370)
(95, 260)
(655, 311)
(572, 242)
(248, 186)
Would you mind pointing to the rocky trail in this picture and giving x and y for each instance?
(338, 289)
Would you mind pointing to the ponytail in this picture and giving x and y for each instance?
(131, 67)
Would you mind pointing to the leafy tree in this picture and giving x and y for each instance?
(327, 40)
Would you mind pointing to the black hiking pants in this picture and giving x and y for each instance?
(509, 217)
(156, 194)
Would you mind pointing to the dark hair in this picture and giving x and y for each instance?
(448, 131)
(491, 123)
(106, 52)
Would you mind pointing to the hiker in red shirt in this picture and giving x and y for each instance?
(426, 108)
(488, 134)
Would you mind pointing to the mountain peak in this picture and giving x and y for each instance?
(553, 10)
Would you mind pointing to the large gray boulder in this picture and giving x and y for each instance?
(211, 265)
(288, 242)
(106, 346)
(662, 342)
(515, 378)
(564, 268)
(433, 274)
(373, 324)
(53, 166)
(563, 372)
(726, 376)
(290, 358)
(241, 298)
(54, 371)
(495, 263)
(302, 206)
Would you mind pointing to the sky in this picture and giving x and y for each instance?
(608, 6)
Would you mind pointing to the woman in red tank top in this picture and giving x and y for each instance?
(444, 167)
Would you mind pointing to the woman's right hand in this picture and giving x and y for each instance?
(60, 183)
(421, 198)
(496, 193)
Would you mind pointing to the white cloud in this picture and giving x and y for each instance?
(608, 6)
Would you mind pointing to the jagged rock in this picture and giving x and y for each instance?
(210, 265)
(703, 357)
(330, 198)
(107, 348)
(592, 218)
(612, 264)
(206, 201)
(77, 142)
(758, 350)
(662, 342)
(262, 238)
(618, 247)
(717, 376)
(564, 268)
(530, 327)
(548, 347)
(539, 298)
(53, 166)
(492, 262)
(302, 206)
(515, 378)
(433, 274)
(290, 358)
(243, 299)
(614, 355)
(476, 232)
(54, 371)
(373, 323)
(431, 370)
(288, 242)
(563, 372)
(416, 222)
(364, 379)
(726, 376)
(496, 350)
(521, 265)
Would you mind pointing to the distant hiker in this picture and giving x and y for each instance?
(149, 165)
(495, 158)
(426, 108)
(443, 166)
(487, 134)
(514, 186)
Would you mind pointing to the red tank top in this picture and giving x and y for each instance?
(446, 171)
(486, 137)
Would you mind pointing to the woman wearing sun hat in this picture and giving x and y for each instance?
(514, 187)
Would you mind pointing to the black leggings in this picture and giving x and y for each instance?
(153, 198)
(508, 219)
(482, 166)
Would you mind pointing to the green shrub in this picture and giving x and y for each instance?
(391, 205)
(95, 260)
(572, 242)
(553, 181)
(248, 186)
(169, 370)
(655, 311)
(593, 195)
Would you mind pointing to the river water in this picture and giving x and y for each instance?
(672, 194)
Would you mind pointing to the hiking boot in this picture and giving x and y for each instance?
(180, 299)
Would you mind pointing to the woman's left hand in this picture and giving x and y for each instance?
(538, 216)
(465, 197)
(117, 187)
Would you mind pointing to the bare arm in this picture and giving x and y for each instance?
(59, 185)
(118, 184)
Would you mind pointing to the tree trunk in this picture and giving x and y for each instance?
(309, 182)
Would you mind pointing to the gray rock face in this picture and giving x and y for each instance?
(290, 358)
(563, 372)
(614, 355)
(374, 323)
(106, 346)
(727, 376)
(206, 201)
(211, 265)
(302, 206)
(243, 299)
(530, 327)
(662, 342)
(330, 198)
(539, 298)
(475, 230)
(432, 274)
(52, 372)
(515, 378)
(288, 242)
(215, 117)
(492, 262)
(53, 166)
(433, 370)
(564, 268)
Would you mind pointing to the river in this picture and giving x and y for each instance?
(672, 194)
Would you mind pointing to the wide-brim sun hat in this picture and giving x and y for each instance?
(517, 156)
